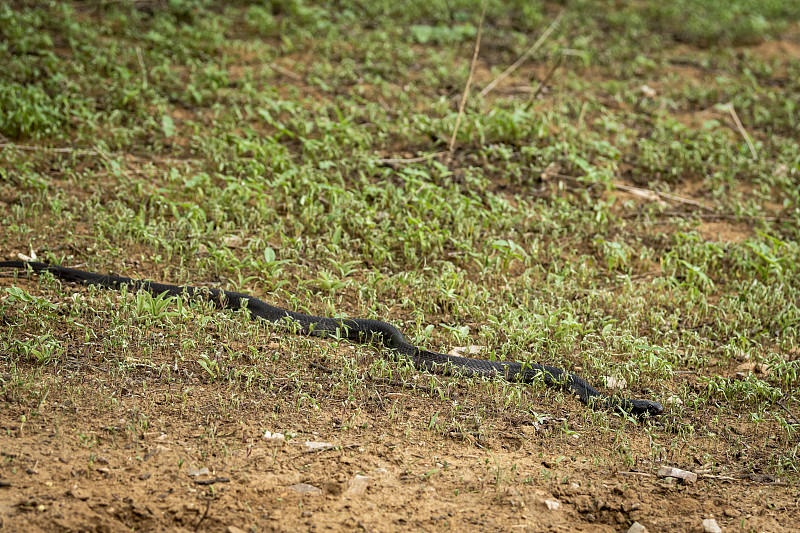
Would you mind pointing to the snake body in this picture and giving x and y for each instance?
(363, 331)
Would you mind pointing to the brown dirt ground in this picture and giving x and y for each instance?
(76, 468)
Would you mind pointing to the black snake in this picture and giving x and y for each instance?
(362, 330)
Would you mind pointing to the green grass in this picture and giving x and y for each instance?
(244, 146)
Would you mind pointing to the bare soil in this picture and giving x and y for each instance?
(418, 480)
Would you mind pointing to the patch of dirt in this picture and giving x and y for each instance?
(140, 461)
(780, 50)
(726, 231)
(691, 189)
(696, 119)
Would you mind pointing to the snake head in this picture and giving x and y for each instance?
(636, 407)
(641, 407)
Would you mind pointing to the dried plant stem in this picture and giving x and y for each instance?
(469, 82)
(742, 130)
(539, 42)
(401, 161)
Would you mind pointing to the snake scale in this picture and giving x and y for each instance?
(363, 331)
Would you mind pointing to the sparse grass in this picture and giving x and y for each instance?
(243, 147)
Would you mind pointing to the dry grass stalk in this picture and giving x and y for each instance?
(469, 81)
(539, 42)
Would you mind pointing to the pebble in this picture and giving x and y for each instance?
(552, 505)
(685, 475)
(233, 241)
(615, 382)
(636, 527)
(317, 445)
(648, 91)
(710, 526)
(673, 401)
(357, 486)
(79, 494)
(274, 437)
(305, 488)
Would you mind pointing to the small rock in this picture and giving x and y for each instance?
(233, 241)
(756, 368)
(274, 437)
(673, 401)
(311, 446)
(615, 382)
(144, 476)
(514, 498)
(552, 505)
(357, 486)
(710, 526)
(234, 529)
(307, 514)
(636, 527)
(79, 494)
(305, 488)
(194, 472)
(685, 475)
(630, 505)
(648, 91)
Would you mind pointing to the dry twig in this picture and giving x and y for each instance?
(547, 76)
(711, 216)
(647, 194)
(205, 514)
(27, 148)
(141, 66)
(741, 129)
(650, 194)
(469, 82)
(794, 419)
(402, 161)
(286, 72)
(539, 42)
